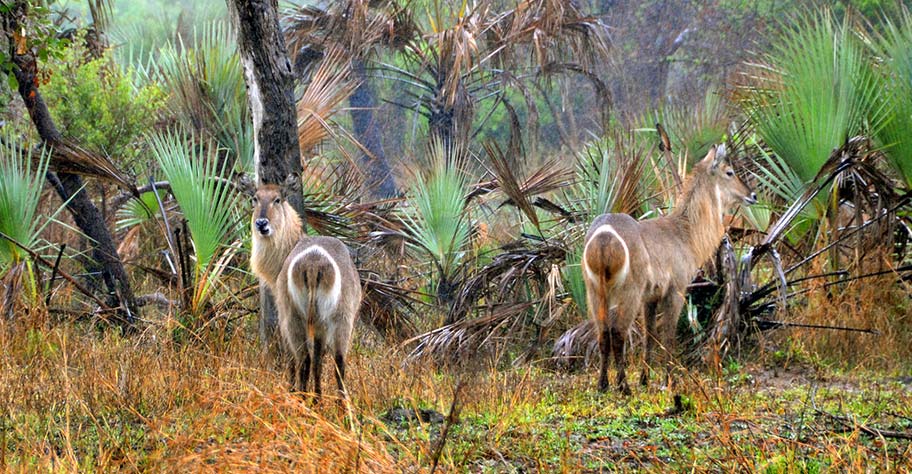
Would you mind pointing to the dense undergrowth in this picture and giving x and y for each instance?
(76, 398)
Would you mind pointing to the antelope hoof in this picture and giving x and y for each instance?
(603, 385)
(624, 389)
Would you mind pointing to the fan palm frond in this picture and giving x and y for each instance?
(894, 47)
(813, 92)
(209, 204)
(330, 85)
(206, 81)
(21, 184)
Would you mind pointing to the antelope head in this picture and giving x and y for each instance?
(269, 213)
(730, 189)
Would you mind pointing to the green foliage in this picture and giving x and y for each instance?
(694, 128)
(208, 202)
(817, 91)
(21, 183)
(137, 211)
(207, 89)
(572, 273)
(96, 103)
(895, 49)
(437, 218)
(609, 177)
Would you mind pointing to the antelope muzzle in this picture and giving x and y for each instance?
(262, 226)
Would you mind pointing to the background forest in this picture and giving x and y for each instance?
(461, 150)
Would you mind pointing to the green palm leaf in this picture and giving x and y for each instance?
(815, 91)
(895, 49)
(208, 203)
(437, 218)
(21, 183)
(207, 86)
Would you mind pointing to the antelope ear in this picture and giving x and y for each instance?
(711, 156)
(721, 155)
(247, 186)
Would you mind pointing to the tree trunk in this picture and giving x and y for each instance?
(69, 187)
(380, 181)
(270, 94)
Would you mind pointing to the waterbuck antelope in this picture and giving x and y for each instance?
(316, 287)
(644, 267)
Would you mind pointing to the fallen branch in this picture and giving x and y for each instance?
(66, 276)
(873, 432)
(764, 324)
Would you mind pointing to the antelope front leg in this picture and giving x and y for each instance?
(650, 336)
(671, 311)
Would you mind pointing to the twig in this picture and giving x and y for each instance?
(47, 299)
(66, 276)
(118, 201)
(161, 207)
(873, 432)
(450, 421)
(764, 324)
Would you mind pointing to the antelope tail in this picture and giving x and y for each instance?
(606, 258)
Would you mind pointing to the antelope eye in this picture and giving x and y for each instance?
(730, 173)
(277, 201)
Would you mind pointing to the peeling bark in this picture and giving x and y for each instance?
(270, 93)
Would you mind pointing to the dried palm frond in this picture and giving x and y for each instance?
(330, 86)
(610, 177)
(548, 177)
(577, 347)
(331, 193)
(463, 341)
(387, 306)
(69, 157)
(519, 267)
(355, 26)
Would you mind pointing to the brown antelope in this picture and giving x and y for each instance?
(316, 287)
(644, 267)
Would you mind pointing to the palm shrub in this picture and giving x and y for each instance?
(813, 91)
(209, 204)
(437, 219)
(21, 183)
(694, 128)
(206, 82)
(894, 47)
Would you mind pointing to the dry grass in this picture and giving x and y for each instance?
(74, 398)
(876, 303)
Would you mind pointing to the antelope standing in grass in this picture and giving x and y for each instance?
(644, 267)
(315, 284)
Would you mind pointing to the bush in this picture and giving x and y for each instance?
(96, 103)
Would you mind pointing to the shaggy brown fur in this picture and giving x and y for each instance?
(318, 294)
(645, 267)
